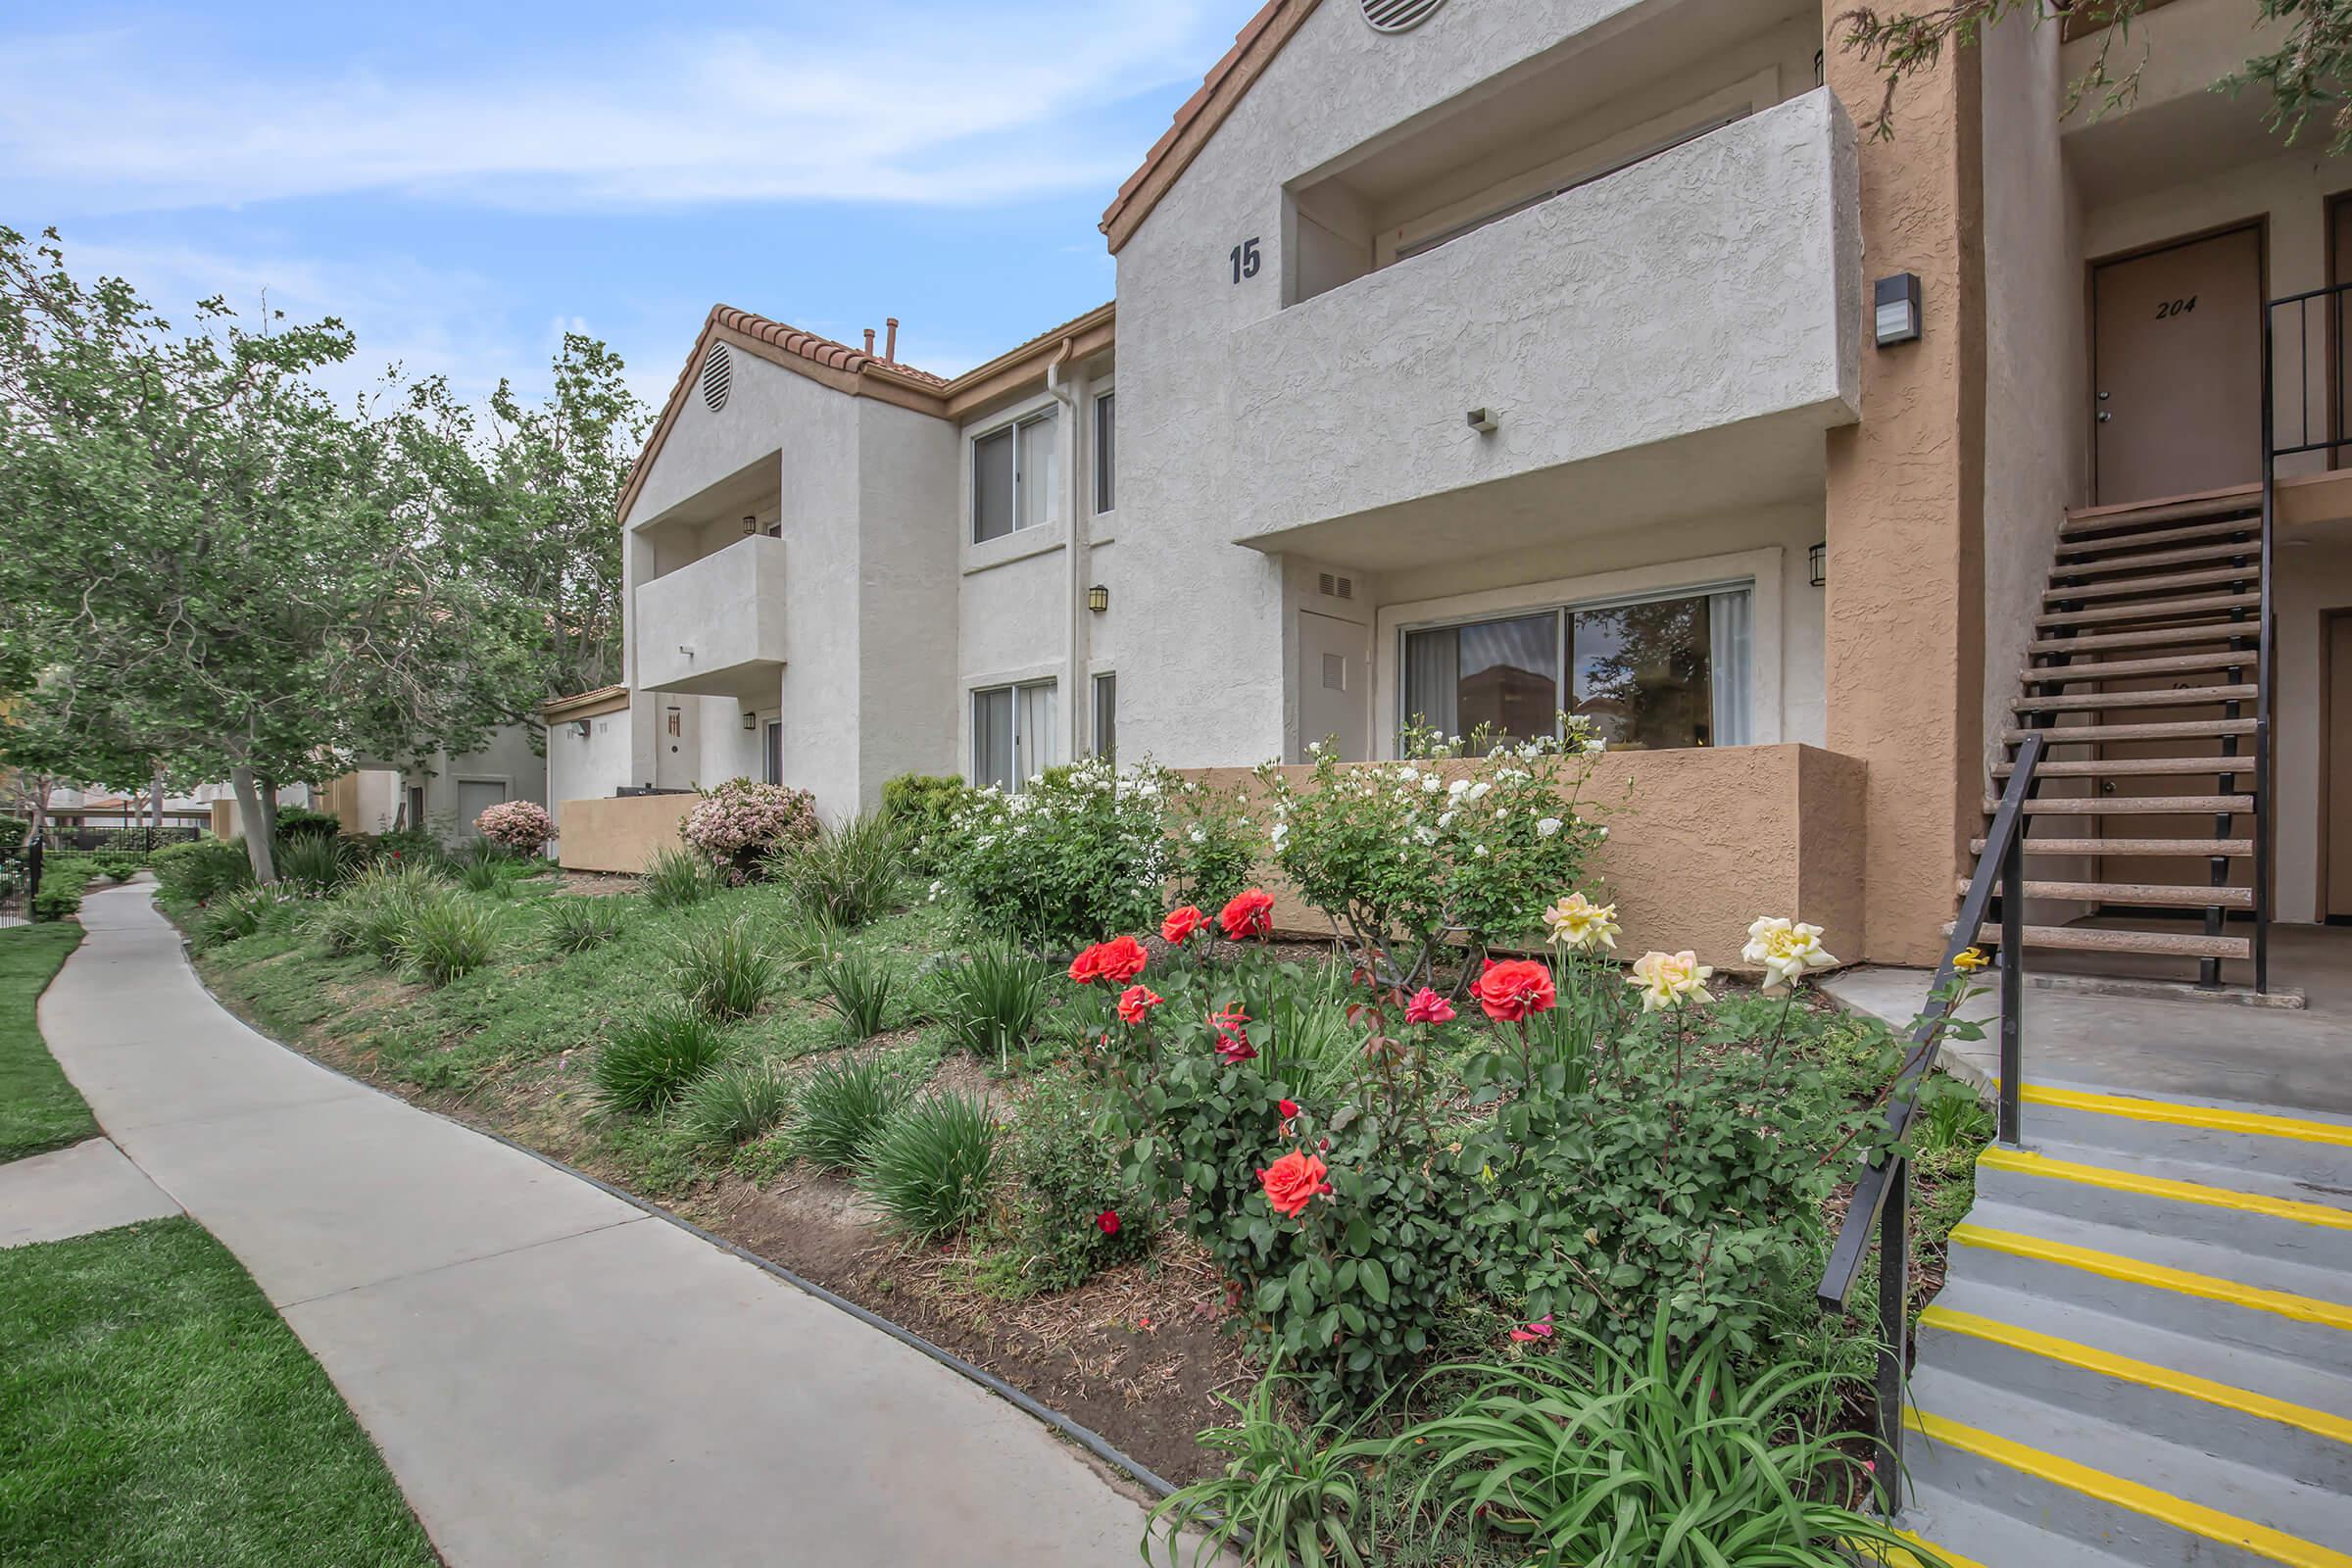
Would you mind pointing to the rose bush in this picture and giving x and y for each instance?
(738, 825)
(517, 825)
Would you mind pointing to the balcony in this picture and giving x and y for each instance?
(1680, 332)
(715, 627)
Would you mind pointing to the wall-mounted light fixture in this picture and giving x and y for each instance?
(750, 525)
(1098, 599)
(579, 729)
(751, 720)
(1817, 560)
(1894, 310)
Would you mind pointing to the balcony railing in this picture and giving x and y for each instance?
(714, 627)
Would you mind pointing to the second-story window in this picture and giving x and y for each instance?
(1013, 478)
(1106, 452)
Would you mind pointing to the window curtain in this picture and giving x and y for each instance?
(1432, 679)
(1730, 675)
(991, 738)
(1033, 730)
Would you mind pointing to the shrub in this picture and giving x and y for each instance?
(738, 824)
(809, 938)
(990, 998)
(406, 845)
(574, 925)
(518, 827)
(115, 867)
(494, 877)
(924, 809)
(234, 916)
(317, 861)
(447, 937)
(1283, 1493)
(655, 1058)
(372, 910)
(849, 873)
(1067, 1181)
(723, 972)
(857, 986)
(735, 1101)
(301, 821)
(676, 879)
(840, 1108)
(932, 1165)
(57, 899)
(193, 872)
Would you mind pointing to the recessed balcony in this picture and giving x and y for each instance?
(1686, 325)
(715, 626)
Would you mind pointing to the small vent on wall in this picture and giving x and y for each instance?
(718, 376)
(1399, 15)
(1335, 672)
(1335, 587)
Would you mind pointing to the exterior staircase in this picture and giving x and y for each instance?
(2142, 674)
(2143, 1353)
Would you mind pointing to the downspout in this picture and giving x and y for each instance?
(1075, 551)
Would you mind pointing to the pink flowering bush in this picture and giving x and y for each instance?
(517, 825)
(739, 822)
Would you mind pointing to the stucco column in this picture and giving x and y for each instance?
(1905, 656)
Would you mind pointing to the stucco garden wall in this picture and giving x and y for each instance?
(621, 833)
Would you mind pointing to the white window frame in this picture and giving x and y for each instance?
(1013, 428)
(1024, 767)
(1094, 712)
(1100, 471)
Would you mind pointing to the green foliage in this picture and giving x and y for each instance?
(723, 971)
(316, 861)
(1284, 1496)
(194, 871)
(847, 874)
(807, 938)
(840, 1107)
(371, 912)
(990, 998)
(738, 825)
(655, 1058)
(932, 1165)
(1067, 1177)
(1647, 1458)
(576, 924)
(234, 916)
(300, 821)
(858, 986)
(735, 1102)
(447, 937)
(924, 808)
(38, 1109)
(676, 879)
(493, 875)
(57, 899)
(115, 867)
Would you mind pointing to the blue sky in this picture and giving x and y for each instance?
(460, 183)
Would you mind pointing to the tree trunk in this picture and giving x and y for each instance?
(259, 848)
(155, 810)
(37, 818)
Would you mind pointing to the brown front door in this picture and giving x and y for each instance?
(2176, 368)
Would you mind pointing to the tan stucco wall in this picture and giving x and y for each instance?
(621, 833)
(1700, 843)
(1905, 611)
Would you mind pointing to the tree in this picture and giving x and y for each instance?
(2304, 76)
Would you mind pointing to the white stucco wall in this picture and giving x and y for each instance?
(907, 599)
(715, 622)
(589, 767)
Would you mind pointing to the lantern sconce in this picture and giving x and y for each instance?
(751, 720)
(1817, 560)
(1098, 599)
(1894, 310)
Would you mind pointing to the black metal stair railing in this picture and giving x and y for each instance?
(1880, 1207)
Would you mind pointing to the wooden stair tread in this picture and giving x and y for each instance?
(2248, 550)
(2186, 849)
(2153, 610)
(2119, 669)
(2130, 805)
(2122, 587)
(2160, 730)
(2169, 895)
(2229, 501)
(2098, 545)
(2217, 631)
(2101, 939)
(2133, 766)
(2161, 696)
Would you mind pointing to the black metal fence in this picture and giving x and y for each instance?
(128, 839)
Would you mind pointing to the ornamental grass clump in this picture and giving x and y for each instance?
(839, 1109)
(578, 924)
(653, 1058)
(723, 971)
(932, 1164)
(847, 874)
(371, 912)
(1284, 1496)
(446, 937)
(858, 986)
(991, 998)
(316, 862)
(674, 880)
(247, 912)
(734, 1102)
(738, 825)
(520, 827)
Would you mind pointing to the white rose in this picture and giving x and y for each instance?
(1548, 826)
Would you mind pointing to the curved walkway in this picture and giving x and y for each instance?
(554, 1376)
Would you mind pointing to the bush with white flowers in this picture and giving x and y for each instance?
(517, 826)
(738, 824)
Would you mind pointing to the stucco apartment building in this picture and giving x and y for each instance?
(1473, 359)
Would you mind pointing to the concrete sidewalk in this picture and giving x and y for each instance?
(73, 1192)
(554, 1376)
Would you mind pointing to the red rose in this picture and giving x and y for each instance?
(1107, 1222)
(1233, 1040)
(1118, 960)
(1182, 921)
(1293, 1182)
(1249, 915)
(1287, 1107)
(1087, 967)
(1137, 1001)
(1509, 992)
(1427, 1007)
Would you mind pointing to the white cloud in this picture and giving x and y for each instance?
(974, 105)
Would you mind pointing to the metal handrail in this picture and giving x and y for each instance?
(1882, 1202)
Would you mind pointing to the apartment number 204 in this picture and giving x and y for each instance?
(2173, 308)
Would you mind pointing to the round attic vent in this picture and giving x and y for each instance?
(719, 374)
(1399, 15)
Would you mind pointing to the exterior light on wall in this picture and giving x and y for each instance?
(750, 525)
(1818, 559)
(1098, 599)
(1894, 310)
(579, 729)
(751, 720)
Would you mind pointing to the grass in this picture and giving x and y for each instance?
(155, 1412)
(38, 1109)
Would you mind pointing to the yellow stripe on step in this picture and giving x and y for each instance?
(2212, 1118)
(2025, 1162)
(2190, 1518)
(2156, 1276)
(2144, 1373)
(1904, 1559)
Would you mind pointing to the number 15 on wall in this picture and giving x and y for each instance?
(1245, 258)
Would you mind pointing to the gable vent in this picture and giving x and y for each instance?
(718, 376)
(1335, 587)
(1399, 15)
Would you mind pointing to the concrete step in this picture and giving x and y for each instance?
(2233, 1209)
(2238, 502)
(2271, 1304)
(2081, 560)
(2119, 668)
(2157, 730)
(2130, 805)
(2155, 1503)
(2103, 939)
(2200, 604)
(2166, 582)
(2305, 1149)
(2156, 895)
(2164, 697)
(2236, 1404)
(2186, 849)
(2215, 631)
(2133, 767)
(1949, 1523)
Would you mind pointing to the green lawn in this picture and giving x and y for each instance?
(155, 1410)
(38, 1109)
